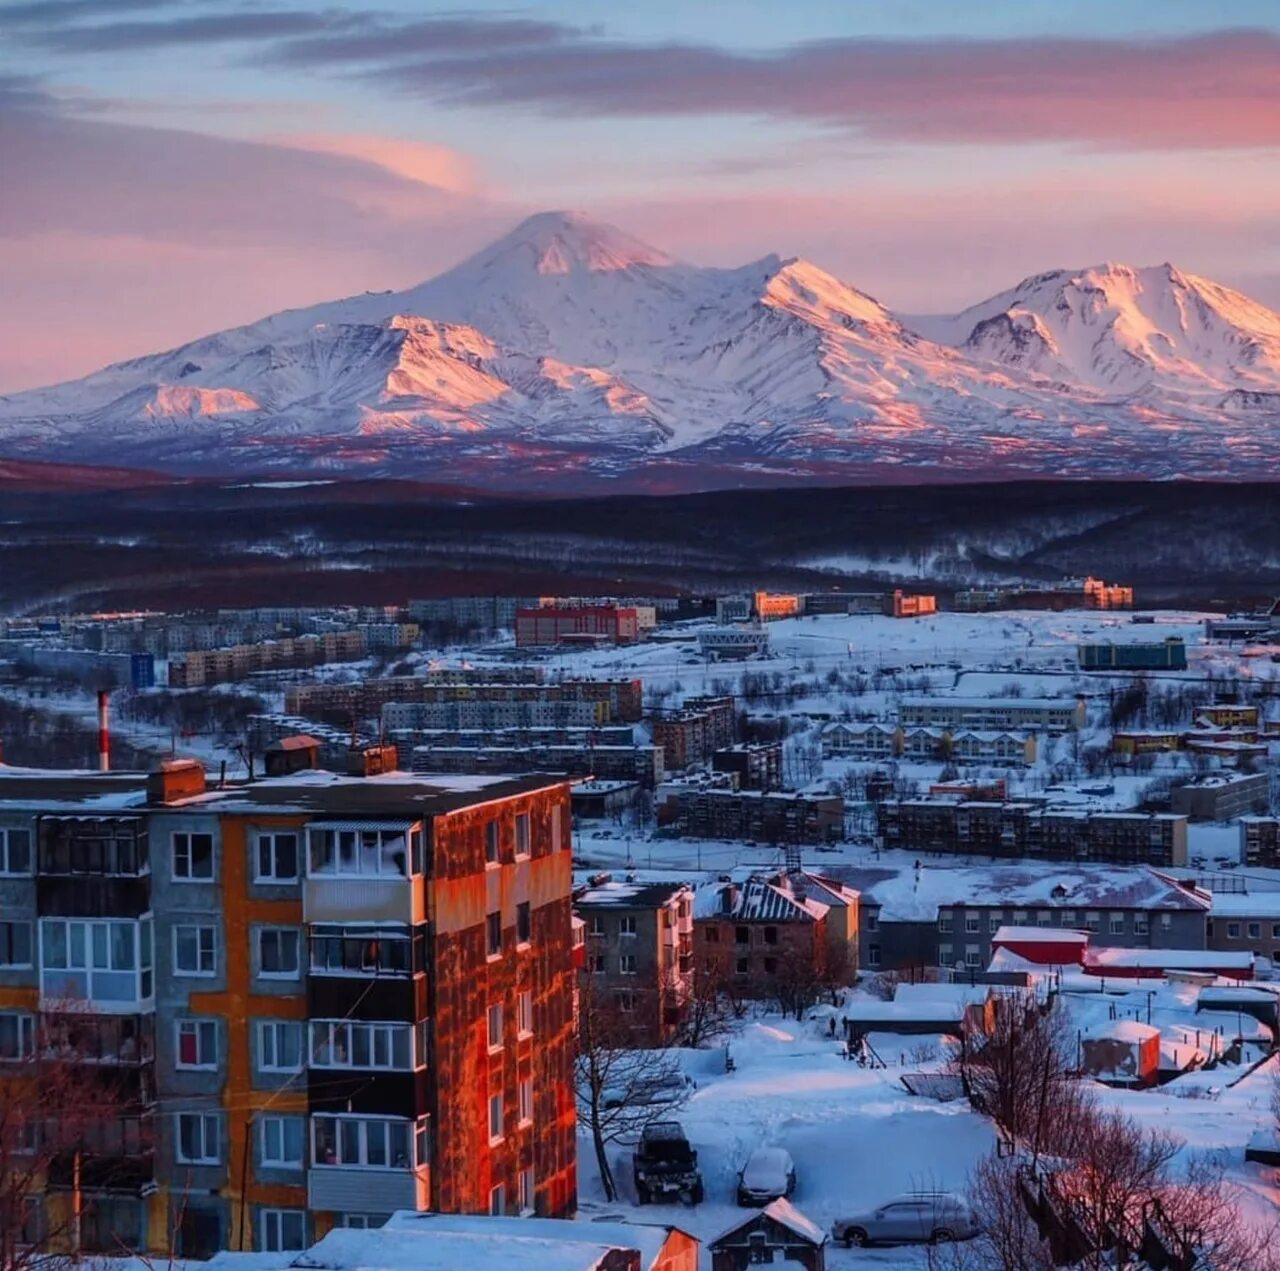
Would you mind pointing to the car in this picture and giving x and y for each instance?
(912, 1218)
(670, 1087)
(665, 1166)
(768, 1174)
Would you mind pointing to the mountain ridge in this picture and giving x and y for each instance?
(568, 347)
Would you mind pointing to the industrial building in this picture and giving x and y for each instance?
(331, 997)
(1163, 655)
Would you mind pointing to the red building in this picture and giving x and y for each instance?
(611, 623)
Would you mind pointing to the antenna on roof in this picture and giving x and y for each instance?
(794, 864)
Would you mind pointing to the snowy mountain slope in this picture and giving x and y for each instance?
(1117, 329)
(568, 349)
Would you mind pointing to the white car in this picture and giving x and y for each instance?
(769, 1173)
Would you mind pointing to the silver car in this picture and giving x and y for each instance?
(913, 1217)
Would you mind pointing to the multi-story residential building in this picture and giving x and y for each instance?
(614, 701)
(969, 745)
(758, 765)
(1052, 715)
(691, 735)
(343, 996)
(213, 666)
(1260, 841)
(643, 764)
(553, 624)
(639, 952)
(759, 815)
(860, 741)
(1220, 797)
(472, 613)
(763, 930)
(948, 915)
(1246, 921)
(1026, 829)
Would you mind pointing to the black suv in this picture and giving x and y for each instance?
(666, 1167)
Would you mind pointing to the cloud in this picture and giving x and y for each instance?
(43, 12)
(116, 240)
(210, 28)
(437, 166)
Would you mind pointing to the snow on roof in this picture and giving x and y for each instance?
(1046, 935)
(1248, 904)
(941, 1011)
(957, 994)
(1185, 959)
(906, 895)
(759, 899)
(628, 895)
(994, 703)
(785, 1214)
(1124, 1030)
(444, 1242)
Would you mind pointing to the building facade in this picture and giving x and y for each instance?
(348, 995)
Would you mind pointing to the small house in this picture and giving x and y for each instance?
(1122, 1052)
(777, 1233)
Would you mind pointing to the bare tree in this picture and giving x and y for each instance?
(620, 1088)
(708, 1009)
(65, 1134)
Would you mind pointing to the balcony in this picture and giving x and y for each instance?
(118, 1040)
(394, 899)
(338, 1188)
(117, 1156)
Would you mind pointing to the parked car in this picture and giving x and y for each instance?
(769, 1173)
(663, 1088)
(914, 1217)
(665, 1166)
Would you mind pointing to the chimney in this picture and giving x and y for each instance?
(104, 732)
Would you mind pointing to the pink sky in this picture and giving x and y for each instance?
(320, 155)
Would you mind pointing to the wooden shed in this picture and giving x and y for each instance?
(777, 1233)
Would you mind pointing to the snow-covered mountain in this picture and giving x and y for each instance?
(568, 350)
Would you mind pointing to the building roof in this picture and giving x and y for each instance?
(612, 894)
(1123, 1030)
(906, 895)
(1045, 935)
(785, 1214)
(993, 703)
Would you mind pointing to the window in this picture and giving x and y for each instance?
(282, 1229)
(742, 966)
(492, 833)
(1255, 931)
(1140, 925)
(627, 925)
(358, 853)
(1116, 924)
(524, 1013)
(361, 950)
(17, 1035)
(15, 944)
(873, 955)
(595, 963)
(98, 960)
(524, 923)
(626, 1001)
(557, 828)
(193, 858)
(279, 1045)
(971, 922)
(363, 1222)
(1019, 917)
(493, 935)
(15, 851)
(498, 1201)
(526, 1101)
(1233, 931)
(527, 1195)
(1043, 918)
(495, 1118)
(944, 954)
(871, 921)
(354, 1044)
(1067, 917)
(971, 956)
(362, 1142)
(495, 1026)
(278, 953)
(522, 835)
(627, 963)
(195, 949)
(1091, 920)
(712, 935)
(277, 860)
(198, 1138)
(944, 922)
(197, 1043)
(741, 935)
(1275, 931)
(282, 1138)
(770, 966)
(994, 922)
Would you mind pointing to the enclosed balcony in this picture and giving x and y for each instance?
(93, 866)
(362, 872)
(372, 1164)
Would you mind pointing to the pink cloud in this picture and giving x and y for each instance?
(436, 166)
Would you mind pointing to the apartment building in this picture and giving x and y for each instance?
(1244, 921)
(792, 926)
(472, 613)
(642, 764)
(760, 816)
(1051, 715)
(553, 624)
(1220, 797)
(214, 666)
(1026, 829)
(691, 735)
(1260, 841)
(860, 741)
(614, 701)
(949, 915)
(639, 952)
(339, 996)
(758, 765)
